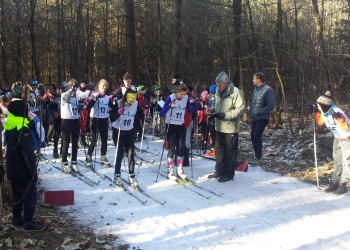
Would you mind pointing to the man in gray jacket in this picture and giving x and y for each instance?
(227, 111)
(263, 102)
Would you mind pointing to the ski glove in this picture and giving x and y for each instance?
(121, 111)
(335, 115)
(172, 104)
(313, 106)
(145, 112)
(74, 87)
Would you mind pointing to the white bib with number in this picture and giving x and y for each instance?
(101, 108)
(127, 121)
(69, 110)
(176, 115)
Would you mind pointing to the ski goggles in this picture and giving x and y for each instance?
(131, 97)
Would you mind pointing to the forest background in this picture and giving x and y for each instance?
(301, 46)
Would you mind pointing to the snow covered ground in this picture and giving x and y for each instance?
(258, 210)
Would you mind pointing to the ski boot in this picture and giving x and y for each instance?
(117, 179)
(180, 170)
(171, 174)
(74, 166)
(65, 167)
(133, 181)
(104, 160)
(88, 160)
(55, 153)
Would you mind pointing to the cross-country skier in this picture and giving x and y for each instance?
(174, 112)
(338, 123)
(123, 120)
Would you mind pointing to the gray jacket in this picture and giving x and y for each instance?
(263, 102)
(232, 104)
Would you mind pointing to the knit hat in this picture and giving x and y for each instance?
(176, 76)
(141, 87)
(7, 86)
(17, 92)
(205, 95)
(156, 87)
(325, 99)
(83, 80)
(212, 89)
(222, 78)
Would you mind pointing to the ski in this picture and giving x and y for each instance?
(144, 193)
(146, 151)
(81, 163)
(199, 186)
(76, 176)
(205, 157)
(182, 185)
(126, 190)
(82, 175)
(142, 159)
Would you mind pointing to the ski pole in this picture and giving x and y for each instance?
(96, 134)
(143, 132)
(166, 138)
(116, 148)
(315, 153)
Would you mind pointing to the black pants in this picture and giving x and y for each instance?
(258, 128)
(28, 202)
(55, 132)
(70, 128)
(226, 150)
(176, 138)
(125, 141)
(99, 125)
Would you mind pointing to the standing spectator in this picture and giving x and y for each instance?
(228, 109)
(338, 123)
(138, 123)
(83, 94)
(54, 120)
(263, 102)
(21, 165)
(99, 105)
(211, 122)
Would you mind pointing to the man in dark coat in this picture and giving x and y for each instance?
(21, 165)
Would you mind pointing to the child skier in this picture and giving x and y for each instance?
(123, 132)
(338, 123)
(174, 112)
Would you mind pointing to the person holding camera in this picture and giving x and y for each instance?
(98, 106)
(338, 123)
(70, 125)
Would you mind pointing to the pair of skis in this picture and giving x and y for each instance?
(79, 176)
(188, 181)
(102, 176)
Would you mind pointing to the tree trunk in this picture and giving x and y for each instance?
(130, 38)
(159, 34)
(252, 42)
(59, 42)
(177, 36)
(33, 40)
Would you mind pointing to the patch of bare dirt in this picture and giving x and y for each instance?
(62, 233)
